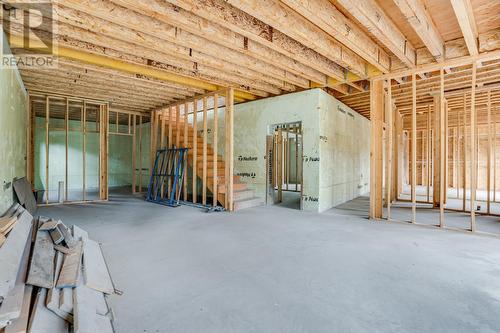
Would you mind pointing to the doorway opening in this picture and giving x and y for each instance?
(284, 169)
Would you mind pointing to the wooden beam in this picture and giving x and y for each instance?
(376, 169)
(134, 148)
(420, 20)
(256, 37)
(229, 123)
(186, 134)
(464, 153)
(414, 150)
(456, 62)
(373, 18)
(205, 150)
(428, 157)
(389, 131)
(465, 18)
(215, 159)
(473, 151)
(99, 60)
(195, 152)
(324, 15)
(47, 117)
(488, 158)
(289, 22)
(442, 150)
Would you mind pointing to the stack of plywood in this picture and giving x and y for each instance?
(53, 279)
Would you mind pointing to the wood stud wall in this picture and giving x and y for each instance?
(58, 107)
(182, 120)
(442, 153)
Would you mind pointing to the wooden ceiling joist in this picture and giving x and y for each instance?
(372, 17)
(177, 17)
(99, 60)
(182, 47)
(420, 20)
(257, 37)
(465, 17)
(145, 54)
(289, 22)
(323, 14)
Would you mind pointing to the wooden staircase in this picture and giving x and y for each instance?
(243, 197)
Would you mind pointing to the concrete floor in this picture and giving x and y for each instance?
(274, 269)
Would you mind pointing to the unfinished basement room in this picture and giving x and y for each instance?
(249, 166)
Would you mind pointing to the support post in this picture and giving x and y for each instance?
(205, 146)
(134, 148)
(47, 116)
(389, 127)
(186, 131)
(229, 148)
(215, 160)
(66, 136)
(442, 149)
(488, 159)
(376, 153)
(464, 153)
(414, 149)
(428, 152)
(473, 151)
(195, 150)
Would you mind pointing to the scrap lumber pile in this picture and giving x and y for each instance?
(52, 278)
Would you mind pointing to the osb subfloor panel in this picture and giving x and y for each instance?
(273, 269)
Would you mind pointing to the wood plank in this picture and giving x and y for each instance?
(12, 305)
(20, 325)
(41, 273)
(52, 301)
(71, 267)
(7, 222)
(24, 193)
(90, 310)
(11, 252)
(54, 294)
(87, 320)
(95, 270)
(43, 320)
(80, 234)
(66, 300)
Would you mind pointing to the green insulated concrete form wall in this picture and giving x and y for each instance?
(344, 141)
(84, 161)
(336, 146)
(13, 133)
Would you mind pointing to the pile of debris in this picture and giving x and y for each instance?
(52, 278)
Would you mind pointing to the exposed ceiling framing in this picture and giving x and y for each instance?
(140, 55)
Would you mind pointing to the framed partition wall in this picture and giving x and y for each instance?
(68, 148)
